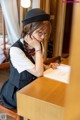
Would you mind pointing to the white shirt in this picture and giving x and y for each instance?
(19, 59)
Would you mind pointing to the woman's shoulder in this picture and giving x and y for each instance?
(18, 45)
(16, 50)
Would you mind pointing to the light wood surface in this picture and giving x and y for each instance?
(43, 99)
(47, 90)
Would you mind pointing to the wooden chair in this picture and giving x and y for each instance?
(4, 65)
(11, 112)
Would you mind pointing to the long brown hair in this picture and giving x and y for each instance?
(30, 28)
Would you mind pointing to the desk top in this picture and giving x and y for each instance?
(46, 90)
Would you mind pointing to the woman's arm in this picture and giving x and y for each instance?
(34, 43)
(22, 63)
(38, 68)
(46, 67)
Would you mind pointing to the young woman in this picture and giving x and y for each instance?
(26, 55)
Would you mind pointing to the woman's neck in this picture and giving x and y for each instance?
(29, 47)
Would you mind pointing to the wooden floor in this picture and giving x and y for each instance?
(4, 75)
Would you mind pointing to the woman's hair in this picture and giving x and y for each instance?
(30, 28)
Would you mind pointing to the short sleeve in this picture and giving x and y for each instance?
(19, 60)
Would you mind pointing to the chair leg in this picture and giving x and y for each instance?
(18, 118)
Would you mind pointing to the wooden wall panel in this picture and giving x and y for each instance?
(72, 104)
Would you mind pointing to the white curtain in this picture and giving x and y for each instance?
(10, 12)
(35, 3)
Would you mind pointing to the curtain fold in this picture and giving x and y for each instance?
(10, 12)
(36, 3)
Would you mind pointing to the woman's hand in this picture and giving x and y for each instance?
(33, 42)
(53, 65)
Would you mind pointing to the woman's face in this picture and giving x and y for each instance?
(41, 33)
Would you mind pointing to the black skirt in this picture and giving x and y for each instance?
(8, 95)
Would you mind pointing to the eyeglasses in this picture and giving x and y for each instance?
(41, 33)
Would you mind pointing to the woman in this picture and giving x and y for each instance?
(26, 55)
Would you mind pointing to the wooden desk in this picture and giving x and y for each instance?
(43, 99)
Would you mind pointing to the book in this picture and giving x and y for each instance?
(61, 73)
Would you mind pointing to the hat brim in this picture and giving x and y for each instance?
(43, 17)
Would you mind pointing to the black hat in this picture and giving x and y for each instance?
(35, 15)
